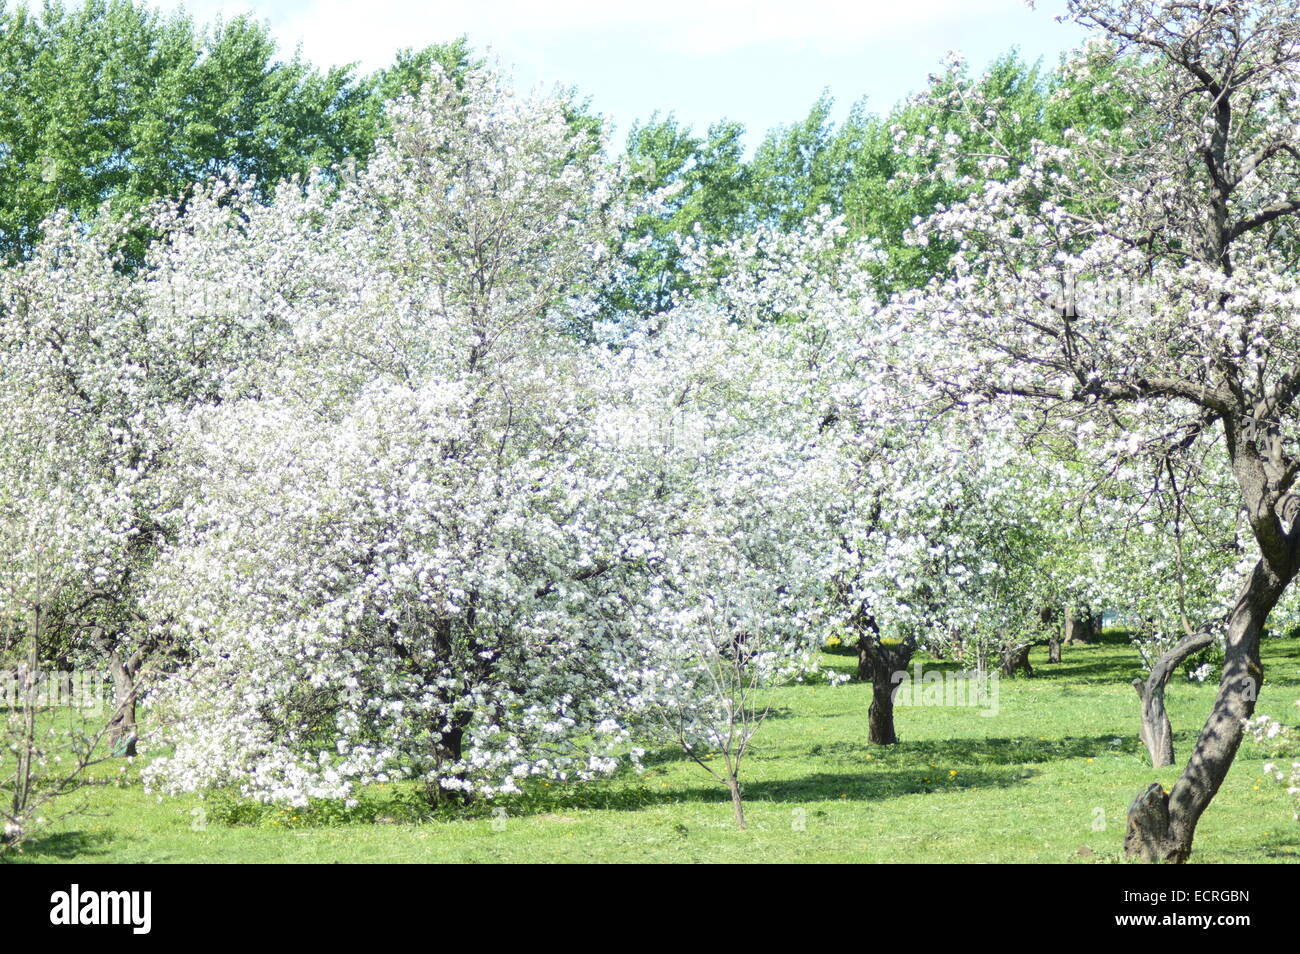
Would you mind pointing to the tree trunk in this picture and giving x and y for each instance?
(879, 663)
(63, 668)
(122, 731)
(26, 750)
(1014, 658)
(1160, 827)
(1147, 836)
(453, 741)
(1054, 649)
(1156, 731)
(1078, 628)
(450, 750)
(733, 784)
(880, 715)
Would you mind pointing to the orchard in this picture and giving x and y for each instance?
(466, 464)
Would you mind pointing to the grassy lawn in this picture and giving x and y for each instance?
(1047, 779)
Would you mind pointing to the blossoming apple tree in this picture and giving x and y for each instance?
(1185, 215)
(411, 540)
(99, 363)
(730, 605)
(910, 551)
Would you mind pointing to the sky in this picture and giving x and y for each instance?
(762, 62)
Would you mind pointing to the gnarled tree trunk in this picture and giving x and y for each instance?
(1012, 658)
(1160, 827)
(879, 663)
(1156, 731)
(1079, 628)
(123, 731)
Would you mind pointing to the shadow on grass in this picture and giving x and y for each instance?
(870, 784)
(1281, 662)
(904, 770)
(1089, 664)
(1287, 847)
(1090, 670)
(952, 753)
(867, 786)
(64, 845)
(1281, 845)
(880, 772)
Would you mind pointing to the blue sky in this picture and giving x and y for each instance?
(760, 62)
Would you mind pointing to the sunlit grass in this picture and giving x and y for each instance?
(1048, 779)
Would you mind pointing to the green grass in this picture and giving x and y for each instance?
(1028, 785)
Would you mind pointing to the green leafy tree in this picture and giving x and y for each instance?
(411, 68)
(801, 168)
(110, 103)
(704, 184)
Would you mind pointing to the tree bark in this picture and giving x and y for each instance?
(63, 670)
(123, 732)
(1147, 836)
(450, 750)
(733, 785)
(1078, 628)
(1047, 615)
(1156, 731)
(27, 746)
(878, 663)
(1161, 828)
(1013, 658)
(880, 715)
(453, 741)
